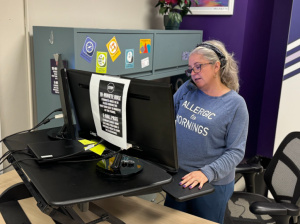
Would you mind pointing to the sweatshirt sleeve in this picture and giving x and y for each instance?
(235, 146)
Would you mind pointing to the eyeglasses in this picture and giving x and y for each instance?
(196, 69)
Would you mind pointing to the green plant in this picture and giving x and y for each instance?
(176, 9)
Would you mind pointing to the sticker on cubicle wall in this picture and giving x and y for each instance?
(145, 62)
(113, 49)
(88, 49)
(129, 58)
(185, 56)
(101, 62)
(145, 46)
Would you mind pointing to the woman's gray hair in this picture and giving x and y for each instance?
(229, 72)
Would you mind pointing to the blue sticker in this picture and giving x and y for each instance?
(129, 58)
(88, 49)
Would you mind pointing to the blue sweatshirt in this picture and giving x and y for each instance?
(211, 132)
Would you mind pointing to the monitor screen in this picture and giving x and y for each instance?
(150, 118)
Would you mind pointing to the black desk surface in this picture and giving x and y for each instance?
(70, 183)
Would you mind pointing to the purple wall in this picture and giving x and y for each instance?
(274, 76)
(247, 33)
(228, 29)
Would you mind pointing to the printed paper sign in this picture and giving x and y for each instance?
(88, 49)
(101, 62)
(145, 62)
(54, 77)
(108, 100)
(113, 49)
(145, 46)
(129, 58)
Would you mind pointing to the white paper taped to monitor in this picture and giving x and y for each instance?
(108, 100)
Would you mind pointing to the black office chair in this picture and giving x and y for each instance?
(282, 178)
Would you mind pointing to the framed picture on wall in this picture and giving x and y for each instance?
(212, 7)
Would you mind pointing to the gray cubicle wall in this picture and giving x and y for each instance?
(63, 42)
(165, 57)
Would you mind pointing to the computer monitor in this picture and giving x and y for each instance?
(67, 131)
(150, 118)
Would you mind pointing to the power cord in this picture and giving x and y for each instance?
(164, 198)
(14, 151)
(8, 153)
(17, 162)
(108, 155)
(76, 153)
(44, 121)
(105, 157)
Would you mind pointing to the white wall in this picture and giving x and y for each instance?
(1, 166)
(125, 14)
(14, 98)
(17, 94)
(289, 109)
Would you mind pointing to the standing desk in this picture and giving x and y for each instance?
(58, 186)
(131, 210)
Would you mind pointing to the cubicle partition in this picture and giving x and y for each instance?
(142, 54)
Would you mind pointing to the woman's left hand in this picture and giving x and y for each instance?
(193, 179)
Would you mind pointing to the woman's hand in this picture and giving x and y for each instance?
(193, 179)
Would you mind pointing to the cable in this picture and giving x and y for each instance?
(8, 153)
(4, 155)
(59, 109)
(164, 198)
(44, 121)
(102, 140)
(70, 155)
(18, 162)
(11, 152)
(57, 158)
(111, 154)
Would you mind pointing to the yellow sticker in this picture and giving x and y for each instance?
(101, 62)
(113, 49)
(145, 46)
(86, 142)
(99, 149)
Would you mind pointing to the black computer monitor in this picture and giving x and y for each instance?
(150, 118)
(67, 131)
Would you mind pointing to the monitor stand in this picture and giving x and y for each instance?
(120, 166)
(59, 133)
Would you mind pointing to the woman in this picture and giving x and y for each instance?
(211, 127)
